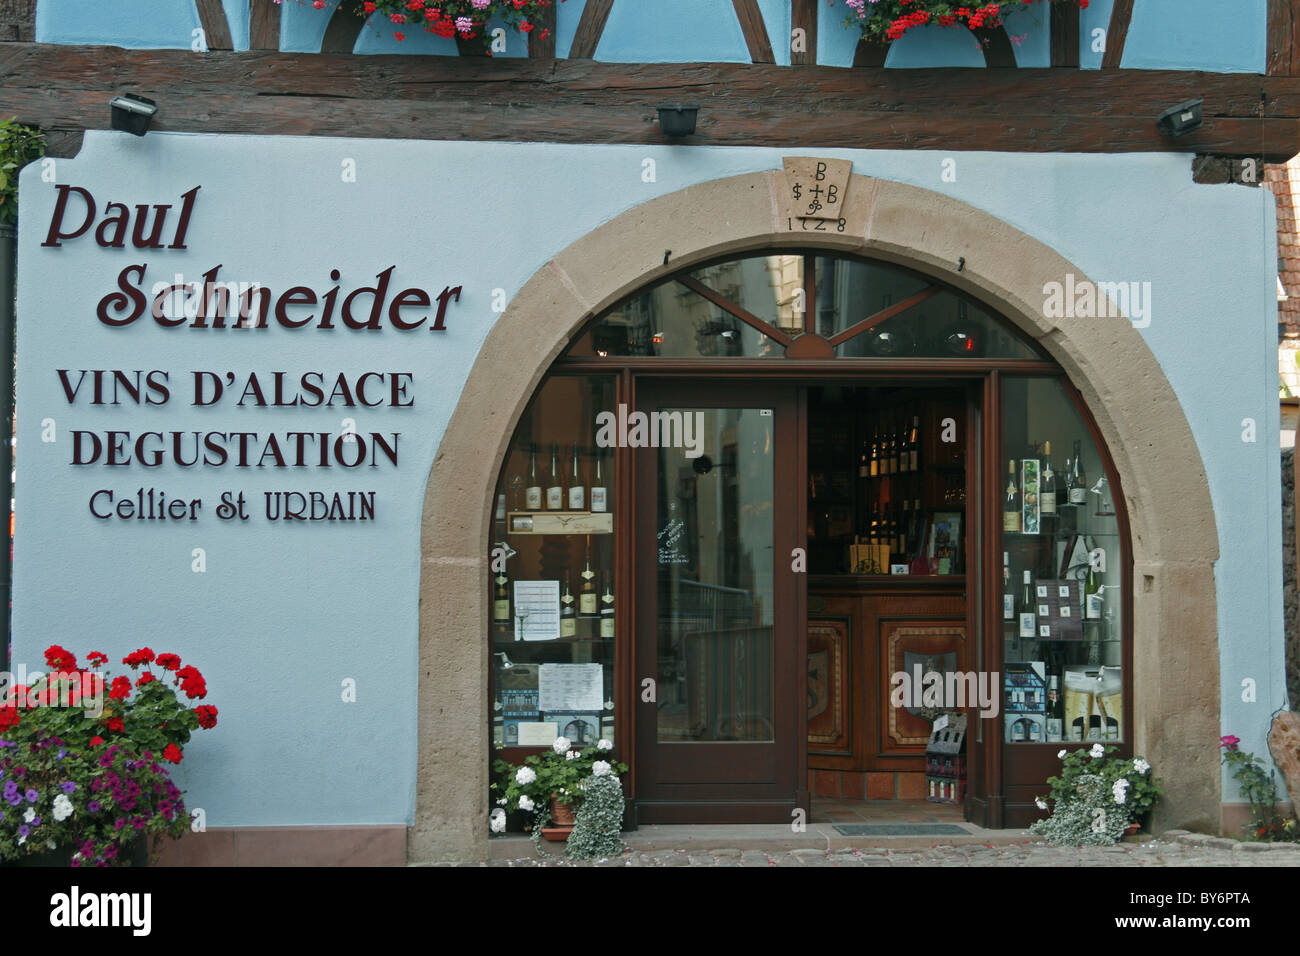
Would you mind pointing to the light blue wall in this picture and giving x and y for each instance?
(1227, 36)
(283, 614)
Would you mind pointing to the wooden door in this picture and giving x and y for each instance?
(720, 625)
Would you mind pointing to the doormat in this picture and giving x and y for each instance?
(900, 829)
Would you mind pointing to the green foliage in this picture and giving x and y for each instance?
(1260, 788)
(1090, 804)
(599, 820)
(1086, 816)
(19, 145)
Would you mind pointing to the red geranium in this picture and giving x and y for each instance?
(172, 752)
(8, 717)
(145, 678)
(60, 658)
(169, 661)
(143, 656)
(96, 740)
(96, 658)
(115, 723)
(121, 689)
(207, 716)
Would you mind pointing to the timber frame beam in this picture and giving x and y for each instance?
(65, 90)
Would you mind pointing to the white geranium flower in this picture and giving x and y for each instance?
(502, 802)
(62, 808)
(571, 755)
(1040, 803)
(604, 744)
(525, 776)
(561, 745)
(1060, 755)
(600, 768)
(1097, 752)
(29, 815)
(51, 845)
(525, 802)
(1120, 790)
(497, 820)
(1141, 766)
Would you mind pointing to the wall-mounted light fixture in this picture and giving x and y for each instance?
(133, 114)
(677, 121)
(1180, 119)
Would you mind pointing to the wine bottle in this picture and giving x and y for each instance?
(501, 508)
(1079, 486)
(607, 612)
(599, 501)
(555, 490)
(905, 528)
(501, 602)
(1047, 483)
(874, 536)
(533, 493)
(1011, 509)
(1008, 597)
(577, 491)
(863, 465)
(875, 453)
(587, 592)
(892, 460)
(568, 619)
(1092, 594)
(1028, 609)
(1068, 482)
(914, 442)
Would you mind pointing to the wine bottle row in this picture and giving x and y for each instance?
(560, 489)
(1036, 490)
(589, 615)
(894, 450)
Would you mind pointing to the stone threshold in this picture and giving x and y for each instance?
(776, 836)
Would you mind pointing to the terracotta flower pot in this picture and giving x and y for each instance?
(561, 821)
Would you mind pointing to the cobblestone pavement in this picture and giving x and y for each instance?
(1192, 850)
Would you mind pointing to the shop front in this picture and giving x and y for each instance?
(833, 465)
(732, 488)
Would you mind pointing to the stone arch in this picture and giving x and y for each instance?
(1175, 538)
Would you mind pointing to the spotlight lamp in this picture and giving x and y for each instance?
(132, 113)
(677, 121)
(1180, 119)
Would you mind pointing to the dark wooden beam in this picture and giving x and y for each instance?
(755, 30)
(540, 48)
(590, 27)
(998, 52)
(66, 87)
(343, 29)
(803, 16)
(263, 25)
(1117, 34)
(18, 20)
(1065, 35)
(216, 31)
(871, 53)
(1283, 38)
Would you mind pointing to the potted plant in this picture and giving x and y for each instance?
(462, 20)
(1260, 788)
(887, 20)
(571, 788)
(1098, 797)
(19, 145)
(83, 754)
